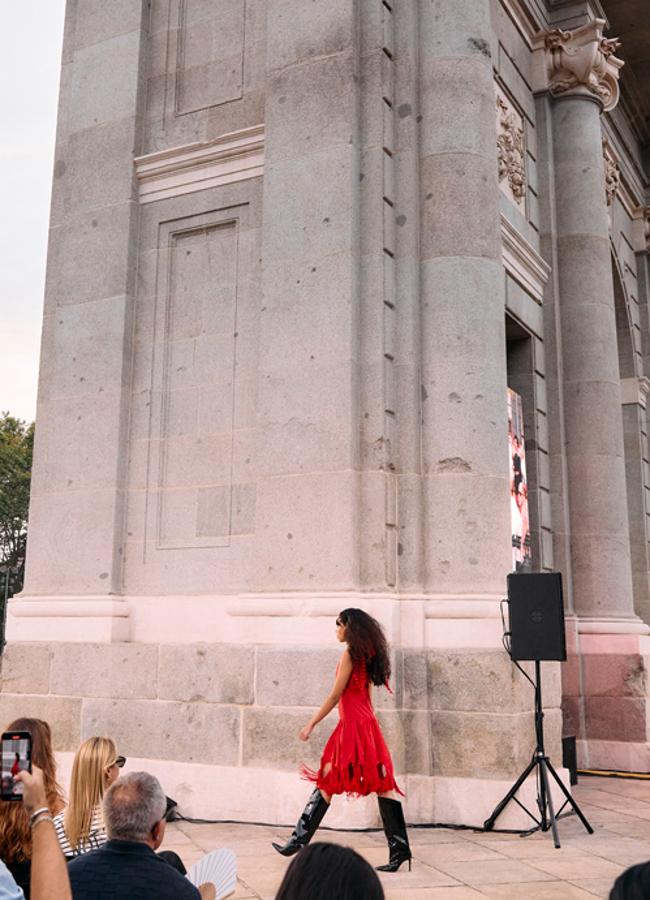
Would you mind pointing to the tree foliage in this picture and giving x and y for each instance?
(16, 448)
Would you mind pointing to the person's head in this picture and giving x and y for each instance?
(632, 884)
(134, 809)
(15, 835)
(330, 872)
(96, 766)
(366, 641)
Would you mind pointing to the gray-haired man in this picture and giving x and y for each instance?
(127, 866)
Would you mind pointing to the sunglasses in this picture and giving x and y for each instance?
(119, 762)
(339, 623)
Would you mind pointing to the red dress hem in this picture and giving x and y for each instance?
(356, 760)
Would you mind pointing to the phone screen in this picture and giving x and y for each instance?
(16, 757)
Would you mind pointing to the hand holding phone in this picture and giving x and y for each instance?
(34, 796)
(16, 756)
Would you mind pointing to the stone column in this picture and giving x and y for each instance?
(464, 430)
(306, 425)
(582, 76)
(74, 555)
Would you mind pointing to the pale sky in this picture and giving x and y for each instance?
(29, 86)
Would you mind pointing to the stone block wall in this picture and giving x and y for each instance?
(238, 709)
(273, 379)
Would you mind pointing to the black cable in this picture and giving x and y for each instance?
(507, 645)
(179, 817)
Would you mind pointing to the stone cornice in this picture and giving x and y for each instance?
(200, 165)
(576, 9)
(522, 261)
(578, 63)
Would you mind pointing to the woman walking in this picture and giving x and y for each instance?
(355, 760)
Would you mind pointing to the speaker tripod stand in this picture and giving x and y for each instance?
(541, 765)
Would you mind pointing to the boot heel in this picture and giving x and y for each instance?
(307, 824)
(392, 817)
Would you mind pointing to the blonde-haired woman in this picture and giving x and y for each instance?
(80, 827)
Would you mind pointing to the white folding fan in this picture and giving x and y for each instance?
(218, 867)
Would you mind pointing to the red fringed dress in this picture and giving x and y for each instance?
(355, 759)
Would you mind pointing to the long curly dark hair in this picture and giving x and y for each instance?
(366, 641)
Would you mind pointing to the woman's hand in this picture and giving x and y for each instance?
(34, 796)
(304, 733)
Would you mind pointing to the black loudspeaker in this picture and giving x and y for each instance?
(536, 612)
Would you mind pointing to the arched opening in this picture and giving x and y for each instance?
(635, 442)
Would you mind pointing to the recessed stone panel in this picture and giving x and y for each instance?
(191, 410)
(209, 53)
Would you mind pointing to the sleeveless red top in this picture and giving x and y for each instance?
(355, 759)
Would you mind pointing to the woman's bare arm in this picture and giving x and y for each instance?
(49, 875)
(342, 678)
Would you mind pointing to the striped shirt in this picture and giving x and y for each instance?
(95, 839)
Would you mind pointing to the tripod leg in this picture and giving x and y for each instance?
(488, 825)
(549, 800)
(570, 799)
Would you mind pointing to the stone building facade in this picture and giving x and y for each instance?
(298, 252)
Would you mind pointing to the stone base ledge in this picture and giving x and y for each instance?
(614, 756)
(68, 618)
(267, 795)
(411, 620)
(611, 626)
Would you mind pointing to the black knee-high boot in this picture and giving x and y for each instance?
(307, 824)
(392, 817)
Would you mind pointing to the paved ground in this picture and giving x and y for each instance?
(463, 865)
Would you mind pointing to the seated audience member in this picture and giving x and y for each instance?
(126, 866)
(49, 873)
(80, 827)
(330, 872)
(15, 833)
(632, 884)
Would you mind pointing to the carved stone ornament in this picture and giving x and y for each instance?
(612, 173)
(583, 62)
(510, 149)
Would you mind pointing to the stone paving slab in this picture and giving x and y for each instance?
(454, 864)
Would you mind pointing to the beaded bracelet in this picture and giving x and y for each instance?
(37, 812)
(44, 817)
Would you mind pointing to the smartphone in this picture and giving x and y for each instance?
(16, 750)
